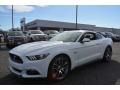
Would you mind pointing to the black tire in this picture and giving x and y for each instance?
(59, 68)
(107, 54)
(31, 40)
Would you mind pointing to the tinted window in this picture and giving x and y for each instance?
(15, 33)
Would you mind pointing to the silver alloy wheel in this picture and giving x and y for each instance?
(60, 68)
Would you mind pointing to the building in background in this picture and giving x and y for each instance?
(63, 26)
(55, 25)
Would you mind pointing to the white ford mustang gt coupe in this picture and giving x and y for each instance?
(55, 58)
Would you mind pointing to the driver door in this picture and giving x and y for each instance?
(88, 50)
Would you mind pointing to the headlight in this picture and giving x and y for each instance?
(37, 57)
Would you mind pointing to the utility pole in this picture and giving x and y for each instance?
(12, 19)
(0, 27)
(76, 17)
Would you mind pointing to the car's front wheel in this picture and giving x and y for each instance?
(59, 68)
(31, 40)
(107, 54)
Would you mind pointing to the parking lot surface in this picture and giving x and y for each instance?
(97, 73)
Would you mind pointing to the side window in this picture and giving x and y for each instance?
(91, 36)
(98, 36)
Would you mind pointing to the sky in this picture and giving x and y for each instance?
(102, 16)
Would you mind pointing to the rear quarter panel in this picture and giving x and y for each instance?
(106, 42)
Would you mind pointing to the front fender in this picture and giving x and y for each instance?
(68, 53)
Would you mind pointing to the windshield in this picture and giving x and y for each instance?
(36, 32)
(51, 32)
(102, 33)
(15, 33)
(67, 36)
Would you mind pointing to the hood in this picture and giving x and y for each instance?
(31, 47)
(37, 34)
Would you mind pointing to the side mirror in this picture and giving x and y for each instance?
(86, 40)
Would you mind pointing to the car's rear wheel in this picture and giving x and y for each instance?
(59, 68)
(107, 54)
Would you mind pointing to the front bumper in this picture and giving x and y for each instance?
(30, 69)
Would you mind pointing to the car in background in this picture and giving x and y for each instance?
(15, 38)
(36, 35)
(104, 34)
(1, 38)
(111, 35)
(62, 53)
(51, 33)
(25, 33)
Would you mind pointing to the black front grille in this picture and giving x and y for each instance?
(15, 58)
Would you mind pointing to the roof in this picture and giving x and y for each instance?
(37, 20)
(83, 31)
(58, 24)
